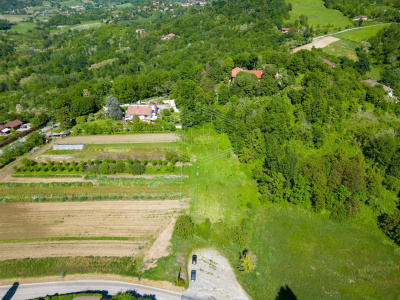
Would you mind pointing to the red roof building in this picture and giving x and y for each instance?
(144, 112)
(236, 70)
(16, 124)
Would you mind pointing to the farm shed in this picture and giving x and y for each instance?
(68, 146)
(62, 133)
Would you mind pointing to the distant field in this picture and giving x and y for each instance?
(318, 14)
(14, 18)
(23, 27)
(358, 35)
(121, 138)
(125, 5)
(342, 48)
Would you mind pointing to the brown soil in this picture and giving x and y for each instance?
(121, 138)
(134, 219)
(72, 248)
(158, 284)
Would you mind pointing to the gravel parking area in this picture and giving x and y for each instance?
(215, 278)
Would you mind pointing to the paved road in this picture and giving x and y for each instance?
(355, 28)
(35, 290)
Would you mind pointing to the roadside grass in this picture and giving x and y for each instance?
(342, 48)
(317, 258)
(361, 34)
(29, 267)
(318, 14)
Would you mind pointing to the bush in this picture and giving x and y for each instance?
(184, 226)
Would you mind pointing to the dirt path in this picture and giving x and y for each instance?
(158, 284)
(160, 246)
(215, 278)
(121, 138)
(317, 43)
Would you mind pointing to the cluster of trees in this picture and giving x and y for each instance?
(383, 10)
(9, 153)
(93, 167)
(384, 48)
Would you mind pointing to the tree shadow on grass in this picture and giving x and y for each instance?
(285, 293)
(11, 292)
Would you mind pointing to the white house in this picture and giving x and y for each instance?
(145, 113)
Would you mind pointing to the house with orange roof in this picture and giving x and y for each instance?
(236, 70)
(146, 113)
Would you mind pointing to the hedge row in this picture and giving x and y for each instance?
(15, 137)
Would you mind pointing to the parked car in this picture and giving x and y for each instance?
(194, 259)
(193, 275)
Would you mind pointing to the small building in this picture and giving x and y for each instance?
(386, 88)
(236, 70)
(60, 134)
(16, 124)
(145, 113)
(69, 146)
(5, 131)
(328, 62)
(285, 30)
(140, 31)
(364, 18)
(169, 36)
(355, 19)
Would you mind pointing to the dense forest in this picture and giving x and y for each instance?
(315, 136)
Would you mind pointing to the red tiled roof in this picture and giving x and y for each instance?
(139, 110)
(328, 62)
(14, 123)
(236, 70)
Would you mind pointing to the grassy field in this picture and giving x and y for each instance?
(361, 34)
(319, 259)
(318, 14)
(85, 25)
(342, 48)
(23, 27)
(220, 188)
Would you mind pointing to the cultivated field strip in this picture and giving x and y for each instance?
(143, 220)
(122, 138)
(71, 248)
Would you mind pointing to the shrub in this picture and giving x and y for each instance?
(247, 262)
(184, 226)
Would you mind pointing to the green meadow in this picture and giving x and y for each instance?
(318, 259)
(318, 14)
(361, 34)
(342, 48)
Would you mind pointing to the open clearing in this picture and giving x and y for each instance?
(360, 34)
(342, 48)
(122, 138)
(319, 43)
(318, 14)
(140, 221)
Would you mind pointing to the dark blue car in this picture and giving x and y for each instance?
(193, 275)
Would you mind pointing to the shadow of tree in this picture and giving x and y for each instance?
(11, 292)
(285, 293)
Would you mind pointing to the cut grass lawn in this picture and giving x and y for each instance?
(358, 35)
(319, 259)
(318, 14)
(342, 48)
